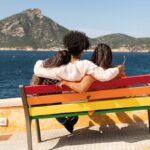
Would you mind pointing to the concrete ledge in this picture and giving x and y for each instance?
(10, 102)
(12, 109)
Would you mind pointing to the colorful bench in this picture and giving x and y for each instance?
(103, 97)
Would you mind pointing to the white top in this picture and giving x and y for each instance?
(75, 71)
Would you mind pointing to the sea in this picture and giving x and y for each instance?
(16, 67)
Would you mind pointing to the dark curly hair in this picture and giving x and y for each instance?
(102, 56)
(76, 42)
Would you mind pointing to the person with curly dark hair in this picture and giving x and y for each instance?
(102, 56)
(76, 42)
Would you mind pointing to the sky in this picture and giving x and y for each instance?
(94, 17)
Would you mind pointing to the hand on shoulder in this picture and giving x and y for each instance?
(38, 65)
(121, 69)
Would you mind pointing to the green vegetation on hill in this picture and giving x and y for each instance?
(30, 29)
(121, 40)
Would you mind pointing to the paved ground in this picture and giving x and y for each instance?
(128, 137)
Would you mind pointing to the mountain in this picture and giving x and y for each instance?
(30, 29)
(119, 40)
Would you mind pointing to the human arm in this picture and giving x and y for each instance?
(40, 71)
(81, 86)
(108, 74)
(75, 71)
(122, 74)
(121, 71)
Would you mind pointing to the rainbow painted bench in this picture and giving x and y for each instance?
(103, 97)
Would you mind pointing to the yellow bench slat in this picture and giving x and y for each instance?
(88, 106)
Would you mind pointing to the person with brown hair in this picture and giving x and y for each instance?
(60, 58)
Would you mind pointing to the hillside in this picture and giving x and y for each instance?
(30, 30)
(117, 41)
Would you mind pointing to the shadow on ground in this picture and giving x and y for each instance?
(133, 132)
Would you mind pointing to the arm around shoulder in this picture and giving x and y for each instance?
(40, 71)
(105, 75)
(81, 86)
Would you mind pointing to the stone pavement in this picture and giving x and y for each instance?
(115, 137)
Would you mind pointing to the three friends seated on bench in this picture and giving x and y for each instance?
(66, 67)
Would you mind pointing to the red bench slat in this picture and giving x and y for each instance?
(38, 89)
(124, 81)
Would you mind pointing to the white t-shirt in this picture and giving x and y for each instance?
(75, 71)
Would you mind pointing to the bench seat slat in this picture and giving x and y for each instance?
(88, 106)
(101, 94)
(95, 113)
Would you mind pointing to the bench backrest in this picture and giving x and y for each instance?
(37, 104)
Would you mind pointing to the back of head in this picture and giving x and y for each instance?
(102, 56)
(76, 42)
(60, 58)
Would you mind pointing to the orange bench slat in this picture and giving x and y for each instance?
(91, 96)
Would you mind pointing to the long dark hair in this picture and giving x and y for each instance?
(102, 56)
(60, 58)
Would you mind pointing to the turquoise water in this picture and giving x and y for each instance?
(17, 67)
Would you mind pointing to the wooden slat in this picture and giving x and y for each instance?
(95, 113)
(39, 89)
(101, 94)
(124, 81)
(98, 105)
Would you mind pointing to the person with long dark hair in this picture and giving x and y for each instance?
(102, 56)
(60, 58)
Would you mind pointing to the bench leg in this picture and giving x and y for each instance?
(29, 134)
(37, 123)
(149, 119)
